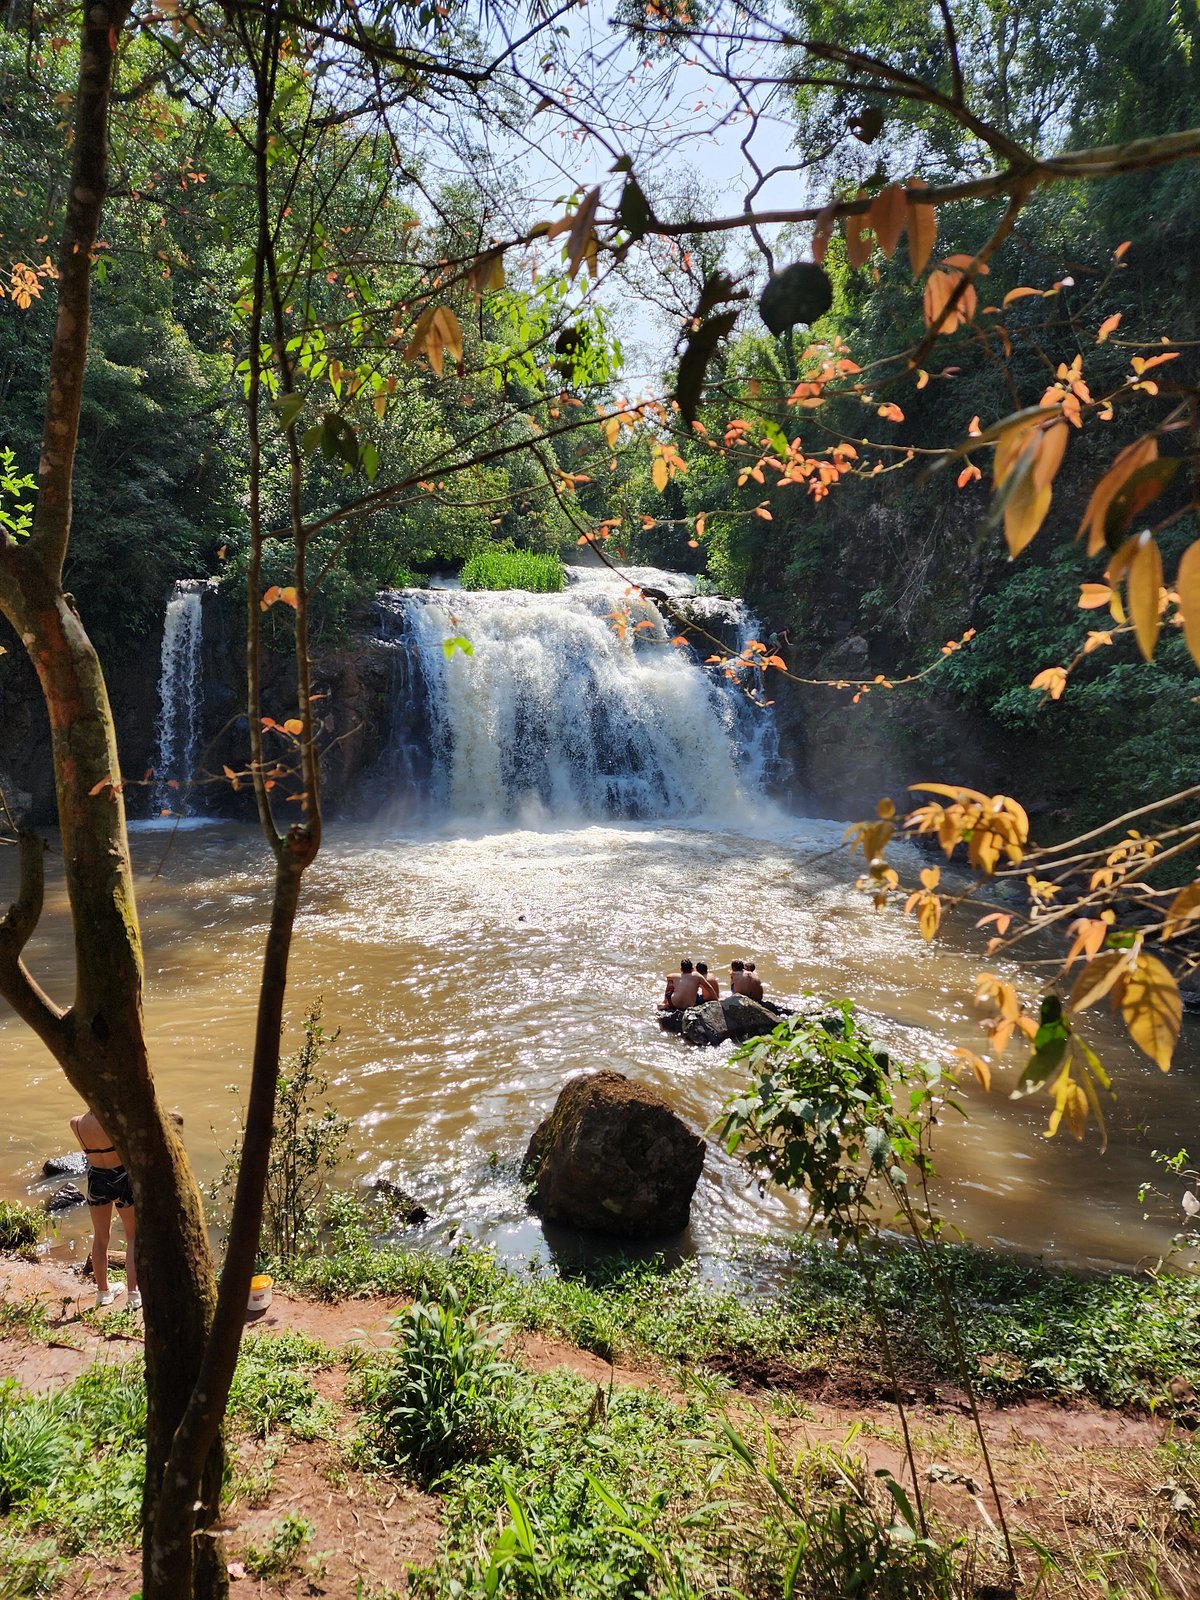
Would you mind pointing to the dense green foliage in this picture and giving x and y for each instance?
(513, 569)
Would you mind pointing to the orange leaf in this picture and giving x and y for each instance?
(858, 239)
(293, 725)
(269, 598)
(1092, 595)
(1109, 325)
(1018, 294)
(887, 216)
(98, 788)
(892, 412)
(922, 228)
(1124, 465)
(1053, 680)
(1187, 587)
(288, 596)
(1142, 587)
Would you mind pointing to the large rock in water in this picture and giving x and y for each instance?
(612, 1157)
(746, 1018)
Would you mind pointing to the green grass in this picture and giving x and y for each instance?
(513, 569)
(20, 1228)
(1028, 1330)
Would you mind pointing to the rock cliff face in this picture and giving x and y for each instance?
(355, 680)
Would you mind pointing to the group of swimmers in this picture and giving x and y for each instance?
(691, 985)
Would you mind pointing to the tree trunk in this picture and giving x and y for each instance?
(100, 1042)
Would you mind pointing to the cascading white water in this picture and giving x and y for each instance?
(572, 705)
(179, 699)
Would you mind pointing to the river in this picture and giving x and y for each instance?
(558, 817)
(470, 971)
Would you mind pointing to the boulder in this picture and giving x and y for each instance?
(746, 1018)
(705, 1024)
(64, 1166)
(65, 1197)
(612, 1157)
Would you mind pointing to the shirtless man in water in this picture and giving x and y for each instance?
(743, 982)
(683, 988)
(107, 1185)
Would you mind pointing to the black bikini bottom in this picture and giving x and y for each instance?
(109, 1186)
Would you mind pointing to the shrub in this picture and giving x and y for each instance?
(442, 1397)
(307, 1143)
(20, 1228)
(513, 569)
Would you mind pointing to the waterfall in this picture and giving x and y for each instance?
(572, 705)
(180, 697)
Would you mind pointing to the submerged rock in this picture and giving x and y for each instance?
(64, 1198)
(612, 1157)
(405, 1207)
(64, 1166)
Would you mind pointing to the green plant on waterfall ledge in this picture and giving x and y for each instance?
(499, 568)
(830, 1115)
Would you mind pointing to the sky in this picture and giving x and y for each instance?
(678, 121)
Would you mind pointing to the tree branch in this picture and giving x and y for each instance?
(24, 995)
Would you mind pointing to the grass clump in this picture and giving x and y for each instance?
(20, 1228)
(441, 1396)
(501, 568)
(279, 1556)
(271, 1389)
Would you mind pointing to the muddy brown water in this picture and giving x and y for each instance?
(469, 973)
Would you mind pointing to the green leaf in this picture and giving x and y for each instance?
(287, 408)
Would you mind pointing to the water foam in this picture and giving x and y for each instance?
(571, 706)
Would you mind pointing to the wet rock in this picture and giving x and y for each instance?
(671, 1021)
(746, 1018)
(65, 1197)
(64, 1166)
(406, 1208)
(612, 1157)
(705, 1024)
(1189, 993)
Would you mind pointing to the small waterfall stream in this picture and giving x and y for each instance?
(180, 698)
(572, 705)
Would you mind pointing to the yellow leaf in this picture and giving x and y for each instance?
(1092, 595)
(1051, 444)
(1142, 587)
(288, 596)
(930, 877)
(1098, 978)
(658, 473)
(293, 725)
(436, 333)
(978, 1065)
(929, 915)
(1075, 1111)
(1053, 680)
(1124, 465)
(380, 405)
(1187, 587)
(922, 228)
(1024, 512)
(1018, 294)
(887, 215)
(612, 429)
(1184, 908)
(1152, 1010)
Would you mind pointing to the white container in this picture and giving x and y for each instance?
(260, 1292)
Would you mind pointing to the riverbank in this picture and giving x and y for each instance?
(634, 1432)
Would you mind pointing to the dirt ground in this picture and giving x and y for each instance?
(1061, 1468)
